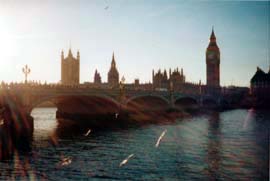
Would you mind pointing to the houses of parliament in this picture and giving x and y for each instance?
(161, 80)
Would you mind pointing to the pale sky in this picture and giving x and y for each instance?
(144, 35)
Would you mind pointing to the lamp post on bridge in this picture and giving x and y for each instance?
(171, 93)
(122, 94)
(122, 86)
(26, 70)
(200, 92)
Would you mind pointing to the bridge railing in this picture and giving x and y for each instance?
(35, 86)
(51, 86)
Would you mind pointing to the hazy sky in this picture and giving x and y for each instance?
(143, 34)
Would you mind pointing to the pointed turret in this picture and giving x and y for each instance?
(69, 53)
(213, 36)
(113, 75)
(113, 64)
(212, 41)
(165, 74)
(62, 55)
(78, 55)
(259, 69)
(97, 77)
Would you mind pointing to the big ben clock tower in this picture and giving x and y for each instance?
(212, 63)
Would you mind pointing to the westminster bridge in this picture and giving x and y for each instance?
(17, 101)
(30, 96)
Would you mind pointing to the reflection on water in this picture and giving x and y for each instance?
(216, 146)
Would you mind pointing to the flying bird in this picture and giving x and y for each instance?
(125, 160)
(66, 161)
(88, 132)
(160, 137)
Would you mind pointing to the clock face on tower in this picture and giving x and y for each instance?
(211, 55)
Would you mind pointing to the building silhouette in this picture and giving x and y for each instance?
(163, 81)
(260, 84)
(70, 69)
(212, 63)
(97, 78)
(176, 77)
(113, 75)
(160, 80)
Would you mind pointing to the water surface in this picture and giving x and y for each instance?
(223, 146)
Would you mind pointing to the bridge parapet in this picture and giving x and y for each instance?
(32, 94)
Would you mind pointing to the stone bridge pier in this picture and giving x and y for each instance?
(16, 115)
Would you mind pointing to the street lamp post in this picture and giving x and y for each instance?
(26, 71)
(171, 93)
(122, 93)
(122, 86)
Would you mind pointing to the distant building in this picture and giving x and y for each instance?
(260, 84)
(97, 78)
(136, 82)
(139, 86)
(177, 78)
(113, 75)
(162, 81)
(70, 69)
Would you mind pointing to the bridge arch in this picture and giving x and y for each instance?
(147, 102)
(147, 95)
(186, 102)
(83, 98)
(209, 102)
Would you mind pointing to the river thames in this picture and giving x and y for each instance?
(214, 146)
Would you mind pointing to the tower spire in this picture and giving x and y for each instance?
(78, 55)
(69, 53)
(113, 75)
(213, 36)
(62, 55)
(113, 61)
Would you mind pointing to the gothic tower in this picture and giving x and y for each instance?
(70, 69)
(97, 77)
(212, 63)
(113, 75)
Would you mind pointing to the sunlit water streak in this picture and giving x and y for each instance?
(228, 145)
